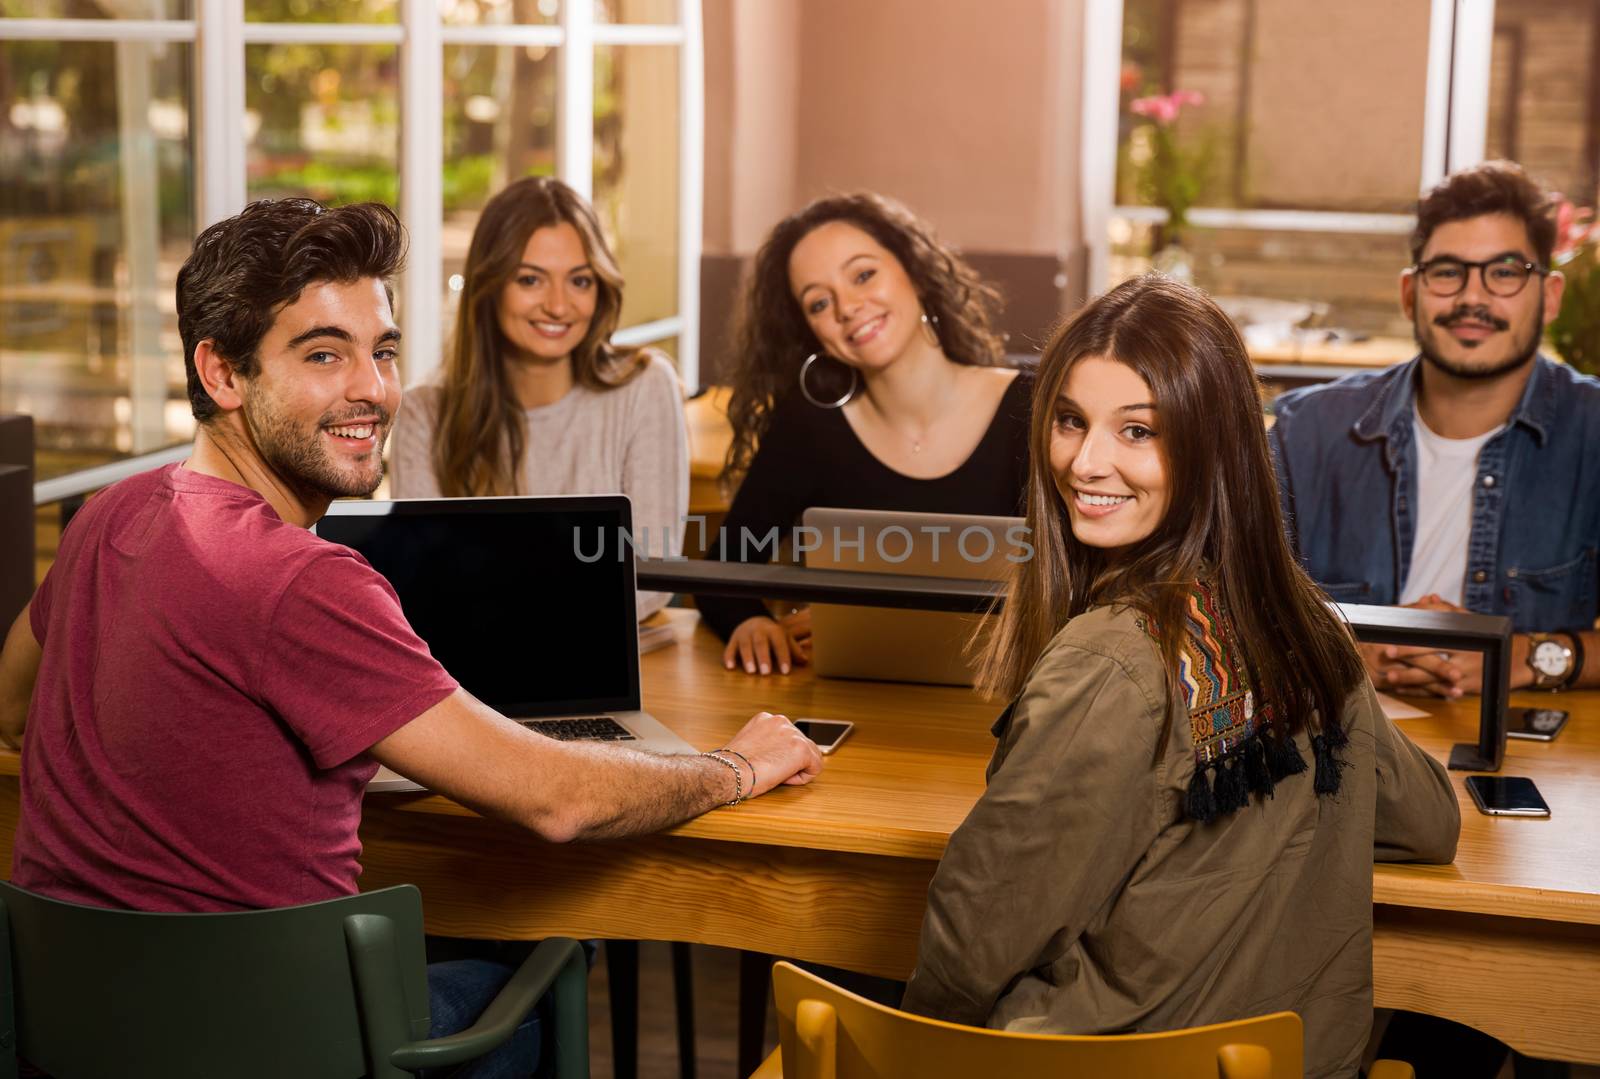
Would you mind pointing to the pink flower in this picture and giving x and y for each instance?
(1164, 108)
(1160, 109)
(1574, 228)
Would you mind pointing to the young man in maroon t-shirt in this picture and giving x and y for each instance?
(212, 686)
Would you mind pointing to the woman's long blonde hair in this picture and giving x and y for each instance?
(479, 441)
(1223, 520)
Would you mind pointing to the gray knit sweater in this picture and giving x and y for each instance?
(630, 440)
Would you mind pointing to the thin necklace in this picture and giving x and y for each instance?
(916, 442)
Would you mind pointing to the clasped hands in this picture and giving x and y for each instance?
(1412, 671)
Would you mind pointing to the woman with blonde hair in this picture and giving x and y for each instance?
(1194, 774)
(534, 399)
(868, 376)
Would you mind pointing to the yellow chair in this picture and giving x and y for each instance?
(827, 1033)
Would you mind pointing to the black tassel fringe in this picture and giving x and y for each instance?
(1329, 766)
(1223, 785)
(1200, 805)
(1256, 766)
(1257, 776)
(1283, 756)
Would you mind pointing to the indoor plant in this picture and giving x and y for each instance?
(1170, 175)
(1575, 332)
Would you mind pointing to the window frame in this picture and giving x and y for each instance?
(219, 33)
(1455, 131)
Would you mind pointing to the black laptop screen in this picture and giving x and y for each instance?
(510, 595)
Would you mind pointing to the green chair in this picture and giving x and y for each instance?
(336, 989)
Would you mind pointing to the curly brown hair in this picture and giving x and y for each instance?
(772, 338)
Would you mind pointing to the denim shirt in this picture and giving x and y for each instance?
(1347, 477)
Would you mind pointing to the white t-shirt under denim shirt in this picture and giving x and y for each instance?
(1447, 469)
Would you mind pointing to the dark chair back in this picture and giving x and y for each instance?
(92, 992)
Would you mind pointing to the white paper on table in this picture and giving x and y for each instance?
(1395, 708)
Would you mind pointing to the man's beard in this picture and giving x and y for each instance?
(1521, 355)
(304, 461)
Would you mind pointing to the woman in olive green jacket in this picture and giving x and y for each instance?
(1194, 775)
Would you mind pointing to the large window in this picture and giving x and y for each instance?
(96, 215)
(1297, 167)
(1544, 92)
(128, 125)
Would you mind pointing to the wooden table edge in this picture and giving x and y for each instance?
(1400, 885)
(738, 824)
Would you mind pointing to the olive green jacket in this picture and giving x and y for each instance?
(1078, 898)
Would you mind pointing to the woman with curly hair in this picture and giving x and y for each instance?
(534, 398)
(869, 377)
(1194, 775)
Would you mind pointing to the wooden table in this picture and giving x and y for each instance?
(1373, 352)
(1507, 939)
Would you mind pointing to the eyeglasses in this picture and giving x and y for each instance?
(1503, 276)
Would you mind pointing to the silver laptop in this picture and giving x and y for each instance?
(527, 602)
(899, 645)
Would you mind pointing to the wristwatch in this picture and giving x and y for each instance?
(1554, 662)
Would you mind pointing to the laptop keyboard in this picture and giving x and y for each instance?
(582, 729)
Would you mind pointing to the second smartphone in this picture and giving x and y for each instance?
(827, 733)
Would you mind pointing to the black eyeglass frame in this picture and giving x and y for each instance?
(1529, 268)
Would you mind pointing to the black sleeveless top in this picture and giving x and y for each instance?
(810, 456)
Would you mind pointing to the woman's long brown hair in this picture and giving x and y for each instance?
(771, 335)
(478, 446)
(1223, 520)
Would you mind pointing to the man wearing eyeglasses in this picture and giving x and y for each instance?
(1463, 479)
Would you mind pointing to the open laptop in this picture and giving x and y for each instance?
(527, 602)
(900, 645)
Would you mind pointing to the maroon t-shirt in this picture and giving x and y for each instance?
(211, 681)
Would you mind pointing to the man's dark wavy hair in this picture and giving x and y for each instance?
(1494, 187)
(244, 270)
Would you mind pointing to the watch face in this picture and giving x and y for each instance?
(1550, 658)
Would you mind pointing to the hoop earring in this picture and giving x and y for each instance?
(930, 328)
(855, 382)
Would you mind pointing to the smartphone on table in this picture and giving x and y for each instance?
(1507, 796)
(826, 733)
(1539, 724)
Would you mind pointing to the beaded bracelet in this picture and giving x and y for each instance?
(738, 777)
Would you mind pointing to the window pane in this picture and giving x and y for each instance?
(499, 126)
(636, 171)
(658, 12)
(96, 216)
(1286, 123)
(498, 12)
(322, 121)
(1339, 287)
(669, 345)
(1544, 108)
(96, 9)
(353, 11)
